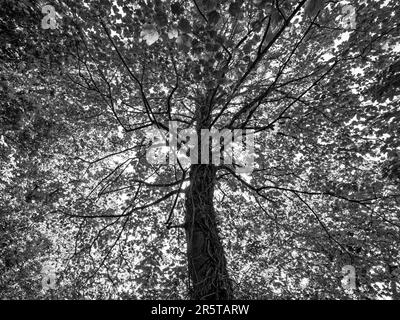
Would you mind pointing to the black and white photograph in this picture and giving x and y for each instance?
(199, 150)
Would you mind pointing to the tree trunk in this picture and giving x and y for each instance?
(206, 259)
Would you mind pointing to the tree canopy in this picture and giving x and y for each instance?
(318, 82)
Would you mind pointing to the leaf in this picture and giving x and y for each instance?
(184, 41)
(247, 48)
(161, 19)
(234, 9)
(184, 25)
(209, 5)
(177, 9)
(173, 33)
(256, 25)
(213, 17)
(313, 7)
(276, 18)
(149, 34)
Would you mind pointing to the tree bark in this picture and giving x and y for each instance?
(206, 259)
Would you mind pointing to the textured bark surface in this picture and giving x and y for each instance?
(206, 259)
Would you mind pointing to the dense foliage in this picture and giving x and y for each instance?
(317, 80)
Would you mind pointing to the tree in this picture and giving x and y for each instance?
(301, 74)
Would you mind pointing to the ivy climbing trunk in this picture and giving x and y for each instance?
(206, 259)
